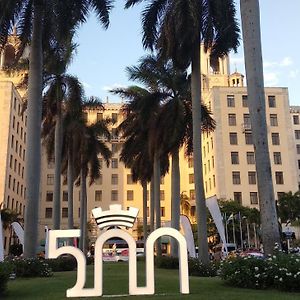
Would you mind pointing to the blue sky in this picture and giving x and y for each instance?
(102, 56)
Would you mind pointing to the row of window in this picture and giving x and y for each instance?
(15, 205)
(233, 138)
(17, 126)
(16, 166)
(15, 186)
(237, 196)
(207, 148)
(251, 158)
(231, 101)
(236, 177)
(247, 123)
(17, 147)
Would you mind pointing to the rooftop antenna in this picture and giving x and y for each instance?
(107, 100)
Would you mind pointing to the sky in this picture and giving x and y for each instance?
(103, 55)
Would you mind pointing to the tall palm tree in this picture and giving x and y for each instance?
(257, 106)
(176, 28)
(91, 143)
(40, 23)
(58, 84)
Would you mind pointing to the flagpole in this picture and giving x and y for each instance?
(226, 227)
(233, 232)
(255, 238)
(248, 233)
(241, 230)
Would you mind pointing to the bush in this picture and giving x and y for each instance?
(196, 268)
(31, 267)
(61, 264)
(5, 270)
(16, 249)
(280, 271)
(167, 262)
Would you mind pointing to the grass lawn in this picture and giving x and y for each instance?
(116, 282)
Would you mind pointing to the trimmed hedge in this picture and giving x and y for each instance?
(5, 270)
(62, 264)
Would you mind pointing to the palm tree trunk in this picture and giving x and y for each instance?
(152, 205)
(156, 180)
(57, 171)
(144, 185)
(70, 179)
(198, 174)
(257, 108)
(34, 115)
(175, 199)
(83, 211)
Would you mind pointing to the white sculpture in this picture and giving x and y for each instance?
(115, 213)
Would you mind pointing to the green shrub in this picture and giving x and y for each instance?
(246, 272)
(60, 264)
(30, 268)
(167, 262)
(280, 271)
(5, 270)
(196, 268)
(16, 249)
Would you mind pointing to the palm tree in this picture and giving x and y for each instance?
(58, 85)
(257, 107)
(176, 29)
(91, 143)
(140, 151)
(40, 23)
(173, 127)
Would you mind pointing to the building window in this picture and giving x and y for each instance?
(114, 117)
(250, 158)
(299, 164)
(99, 117)
(12, 141)
(130, 195)
(99, 180)
(191, 178)
(298, 148)
(297, 134)
(115, 147)
(253, 198)
(248, 138)
(245, 101)
(162, 195)
(98, 195)
(162, 211)
(295, 119)
(231, 119)
(252, 177)
(279, 177)
(129, 179)
(114, 163)
(272, 101)
(233, 138)
(237, 197)
(114, 195)
(191, 162)
(64, 212)
(235, 158)
(276, 139)
(51, 163)
(192, 194)
(114, 178)
(162, 180)
(48, 213)
(49, 196)
(50, 179)
(230, 101)
(247, 122)
(277, 158)
(273, 120)
(236, 178)
(214, 180)
(65, 196)
(114, 134)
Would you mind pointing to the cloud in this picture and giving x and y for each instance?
(107, 88)
(271, 78)
(285, 62)
(294, 73)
